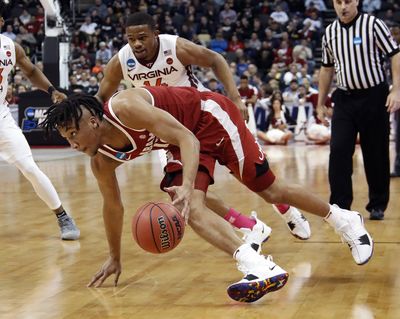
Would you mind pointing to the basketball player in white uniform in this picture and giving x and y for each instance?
(150, 59)
(14, 147)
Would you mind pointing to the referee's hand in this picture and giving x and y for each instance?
(393, 101)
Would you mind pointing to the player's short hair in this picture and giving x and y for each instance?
(140, 18)
(244, 77)
(69, 112)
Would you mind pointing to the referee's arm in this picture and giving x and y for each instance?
(393, 99)
(325, 79)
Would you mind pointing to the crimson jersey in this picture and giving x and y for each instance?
(216, 124)
(142, 141)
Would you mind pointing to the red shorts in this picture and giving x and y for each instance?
(225, 138)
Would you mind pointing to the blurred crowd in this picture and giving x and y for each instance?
(272, 47)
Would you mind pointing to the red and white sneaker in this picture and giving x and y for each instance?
(296, 222)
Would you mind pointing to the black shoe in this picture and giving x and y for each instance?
(394, 174)
(376, 214)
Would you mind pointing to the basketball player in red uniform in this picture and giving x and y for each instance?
(13, 145)
(137, 121)
(152, 59)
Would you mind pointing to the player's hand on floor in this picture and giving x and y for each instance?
(111, 266)
(182, 196)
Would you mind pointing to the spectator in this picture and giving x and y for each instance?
(318, 4)
(214, 86)
(235, 44)
(277, 125)
(9, 32)
(101, 9)
(228, 14)
(280, 16)
(88, 27)
(93, 86)
(219, 44)
(302, 53)
(25, 17)
(103, 54)
(370, 6)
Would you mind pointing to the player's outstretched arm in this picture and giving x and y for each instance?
(113, 215)
(133, 108)
(36, 76)
(190, 53)
(112, 77)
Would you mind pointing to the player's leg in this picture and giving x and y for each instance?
(348, 224)
(261, 274)
(252, 168)
(15, 150)
(255, 232)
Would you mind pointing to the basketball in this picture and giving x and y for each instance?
(158, 227)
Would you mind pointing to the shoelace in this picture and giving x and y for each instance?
(349, 237)
(65, 222)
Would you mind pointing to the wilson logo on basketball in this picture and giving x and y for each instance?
(164, 235)
(170, 61)
(178, 226)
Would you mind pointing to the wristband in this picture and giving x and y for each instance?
(51, 89)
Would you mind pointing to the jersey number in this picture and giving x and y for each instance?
(158, 83)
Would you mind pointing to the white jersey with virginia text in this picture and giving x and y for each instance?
(7, 63)
(166, 69)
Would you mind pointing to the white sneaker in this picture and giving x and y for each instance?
(258, 235)
(296, 222)
(350, 226)
(261, 276)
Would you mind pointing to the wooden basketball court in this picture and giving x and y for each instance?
(44, 277)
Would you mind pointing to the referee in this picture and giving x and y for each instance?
(353, 47)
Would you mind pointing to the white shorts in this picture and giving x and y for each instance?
(13, 144)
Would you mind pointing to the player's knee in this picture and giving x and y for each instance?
(275, 193)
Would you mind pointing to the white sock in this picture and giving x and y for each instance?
(40, 182)
(335, 217)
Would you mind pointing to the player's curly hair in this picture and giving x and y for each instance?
(68, 112)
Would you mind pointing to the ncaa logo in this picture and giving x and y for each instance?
(120, 155)
(8, 53)
(357, 40)
(131, 64)
(30, 112)
(170, 61)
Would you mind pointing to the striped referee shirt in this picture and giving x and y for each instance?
(357, 50)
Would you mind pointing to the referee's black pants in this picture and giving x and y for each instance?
(364, 112)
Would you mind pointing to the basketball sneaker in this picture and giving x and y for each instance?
(257, 235)
(68, 229)
(350, 226)
(296, 222)
(261, 275)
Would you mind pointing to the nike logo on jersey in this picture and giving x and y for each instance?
(219, 143)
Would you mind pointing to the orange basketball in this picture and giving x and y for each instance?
(158, 227)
